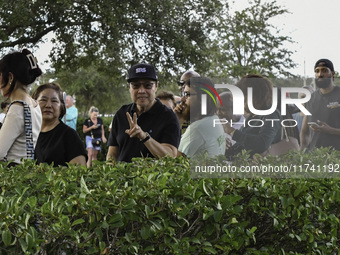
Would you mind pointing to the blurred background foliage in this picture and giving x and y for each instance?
(95, 43)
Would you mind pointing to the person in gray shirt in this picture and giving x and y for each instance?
(324, 106)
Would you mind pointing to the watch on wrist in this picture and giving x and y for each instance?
(147, 137)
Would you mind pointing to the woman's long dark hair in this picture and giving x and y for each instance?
(23, 65)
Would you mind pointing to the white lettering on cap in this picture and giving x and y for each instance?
(141, 70)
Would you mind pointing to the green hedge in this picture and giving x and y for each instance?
(155, 207)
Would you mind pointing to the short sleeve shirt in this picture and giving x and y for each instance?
(326, 108)
(202, 137)
(160, 122)
(59, 145)
(97, 133)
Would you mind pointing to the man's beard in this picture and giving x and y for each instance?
(186, 113)
(323, 83)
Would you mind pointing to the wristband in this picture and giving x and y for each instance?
(232, 133)
(146, 138)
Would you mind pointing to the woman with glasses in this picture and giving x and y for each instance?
(57, 143)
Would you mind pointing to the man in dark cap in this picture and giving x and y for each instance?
(324, 106)
(145, 128)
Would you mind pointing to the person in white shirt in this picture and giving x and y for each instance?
(201, 137)
(22, 124)
(4, 108)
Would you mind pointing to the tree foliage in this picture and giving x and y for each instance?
(91, 87)
(113, 34)
(248, 43)
(95, 42)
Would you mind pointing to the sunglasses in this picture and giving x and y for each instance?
(187, 94)
(181, 83)
(145, 85)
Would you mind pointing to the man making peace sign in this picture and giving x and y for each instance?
(145, 128)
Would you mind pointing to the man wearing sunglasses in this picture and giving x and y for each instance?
(185, 77)
(181, 84)
(145, 128)
(324, 106)
(201, 137)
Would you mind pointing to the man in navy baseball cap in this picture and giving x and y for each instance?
(145, 128)
(142, 71)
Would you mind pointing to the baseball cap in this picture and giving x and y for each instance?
(142, 71)
(324, 62)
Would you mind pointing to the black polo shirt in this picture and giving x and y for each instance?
(160, 122)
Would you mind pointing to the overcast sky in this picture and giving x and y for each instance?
(315, 27)
(313, 24)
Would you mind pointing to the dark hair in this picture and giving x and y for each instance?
(57, 88)
(262, 90)
(23, 65)
(4, 105)
(166, 95)
(196, 83)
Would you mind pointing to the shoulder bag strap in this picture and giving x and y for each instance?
(285, 132)
(89, 121)
(28, 128)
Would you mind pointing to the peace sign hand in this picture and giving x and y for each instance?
(135, 130)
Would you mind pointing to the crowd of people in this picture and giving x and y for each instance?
(158, 123)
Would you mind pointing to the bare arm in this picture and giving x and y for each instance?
(181, 154)
(157, 149)
(179, 113)
(87, 129)
(305, 134)
(325, 128)
(79, 160)
(103, 135)
(112, 153)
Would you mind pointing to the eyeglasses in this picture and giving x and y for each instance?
(138, 85)
(180, 83)
(187, 94)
